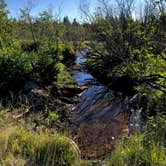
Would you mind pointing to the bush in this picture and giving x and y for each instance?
(29, 46)
(17, 66)
(122, 45)
(46, 67)
(64, 76)
(36, 150)
(68, 55)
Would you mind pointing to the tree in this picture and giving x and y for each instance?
(66, 20)
(28, 19)
(126, 52)
(75, 23)
(4, 23)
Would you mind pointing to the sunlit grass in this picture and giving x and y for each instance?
(22, 147)
(146, 149)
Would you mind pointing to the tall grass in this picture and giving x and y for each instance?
(146, 149)
(20, 147)
(133, 152)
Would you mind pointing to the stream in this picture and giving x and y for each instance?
(100, 116)
(81, 76)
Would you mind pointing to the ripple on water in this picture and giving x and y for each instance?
(100, 115)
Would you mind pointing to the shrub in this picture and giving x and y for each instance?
(15, 67)
(46, 67)
(64, 76)
(29, 46)
(68, 55)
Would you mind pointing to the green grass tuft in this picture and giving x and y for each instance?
(20, 147)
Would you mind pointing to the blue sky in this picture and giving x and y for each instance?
(69, 7)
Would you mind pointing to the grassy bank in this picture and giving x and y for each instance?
(146, 149)
(21, 147)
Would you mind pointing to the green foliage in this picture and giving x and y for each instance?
(34, 61)
(31, 61)
(84, 44)
(64, 76)
(34, 149)
(128, 54)
(124, 46)
(132, 152)
(3, 112)
(48, 58)
(52, 118)
(68, 54)
(6, 26)
(156, 130)
(30, 46)
(119, 51)
(15, 66)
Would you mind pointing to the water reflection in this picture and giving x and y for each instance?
(81, 76)
(99, 115)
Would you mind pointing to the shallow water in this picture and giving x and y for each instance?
(100, 115)
(81, 76)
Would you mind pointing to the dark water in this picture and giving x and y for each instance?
(97, 93)
(97, 102)
(101, 115)
(98, 113)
